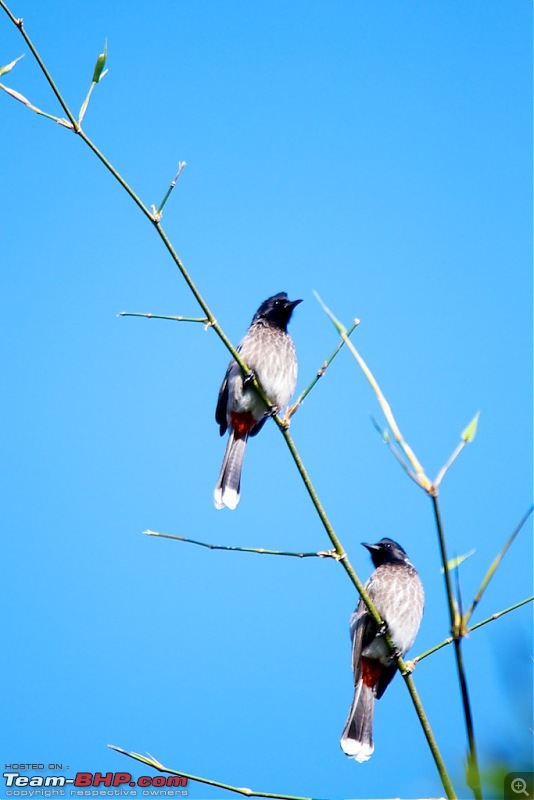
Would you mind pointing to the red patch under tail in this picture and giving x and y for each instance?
(241, 423)
(371, 671)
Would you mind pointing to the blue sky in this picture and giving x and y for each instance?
(379, 153)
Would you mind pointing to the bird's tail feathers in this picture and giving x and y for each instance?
(228, 485)
(357, 736)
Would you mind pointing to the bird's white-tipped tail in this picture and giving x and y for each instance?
(228, 485)
(357, 737)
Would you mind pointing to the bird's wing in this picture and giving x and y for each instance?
(359, 628)
(222, 402)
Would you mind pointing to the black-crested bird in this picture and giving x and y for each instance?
(268, 351)
(397, 594)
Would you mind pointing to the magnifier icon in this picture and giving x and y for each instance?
(519, 786)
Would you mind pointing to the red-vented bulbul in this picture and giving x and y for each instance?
(268, 351)
(397, 593)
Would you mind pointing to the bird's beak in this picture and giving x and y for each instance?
(294, 303)
(370, 547)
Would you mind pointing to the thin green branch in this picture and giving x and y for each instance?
(386, 439)
(467, 436)
(259, 550)
(501, 613)
(320, 373)
(85, 103)
(473, 771)
(118, 177)
(98, 74)
(449, 463)
(159, 210)
(450, 639)
(490, 573)
(152, 762)
(204, 320)
(24, 100)
(453, 609)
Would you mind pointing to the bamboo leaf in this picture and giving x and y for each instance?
(469, 433)
(455, 562)
(9, 67)
(18, 96)
(98, 73)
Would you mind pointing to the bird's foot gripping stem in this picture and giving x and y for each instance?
(249, 379)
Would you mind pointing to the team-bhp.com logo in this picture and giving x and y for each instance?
(94, 784)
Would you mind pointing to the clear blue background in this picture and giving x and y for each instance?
(379, 153)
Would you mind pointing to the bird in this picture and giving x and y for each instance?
(397, 594)
(268, 351)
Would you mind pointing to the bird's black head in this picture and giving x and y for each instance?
(277, 310)
(386, 551)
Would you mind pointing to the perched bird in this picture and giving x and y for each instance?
(268, 351)
(397, 593)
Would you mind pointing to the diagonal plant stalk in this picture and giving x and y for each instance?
(494, 567)
(283, 425)
(473, 772)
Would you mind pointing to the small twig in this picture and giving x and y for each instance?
(203, 320)
(155, 764)
(259, 550)
(157, 212)
(449, 463)
(386, 439)
(290, 411)
(98, 74)
(493, 617)
(466, 438)
(20, 97)
(490, 573)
